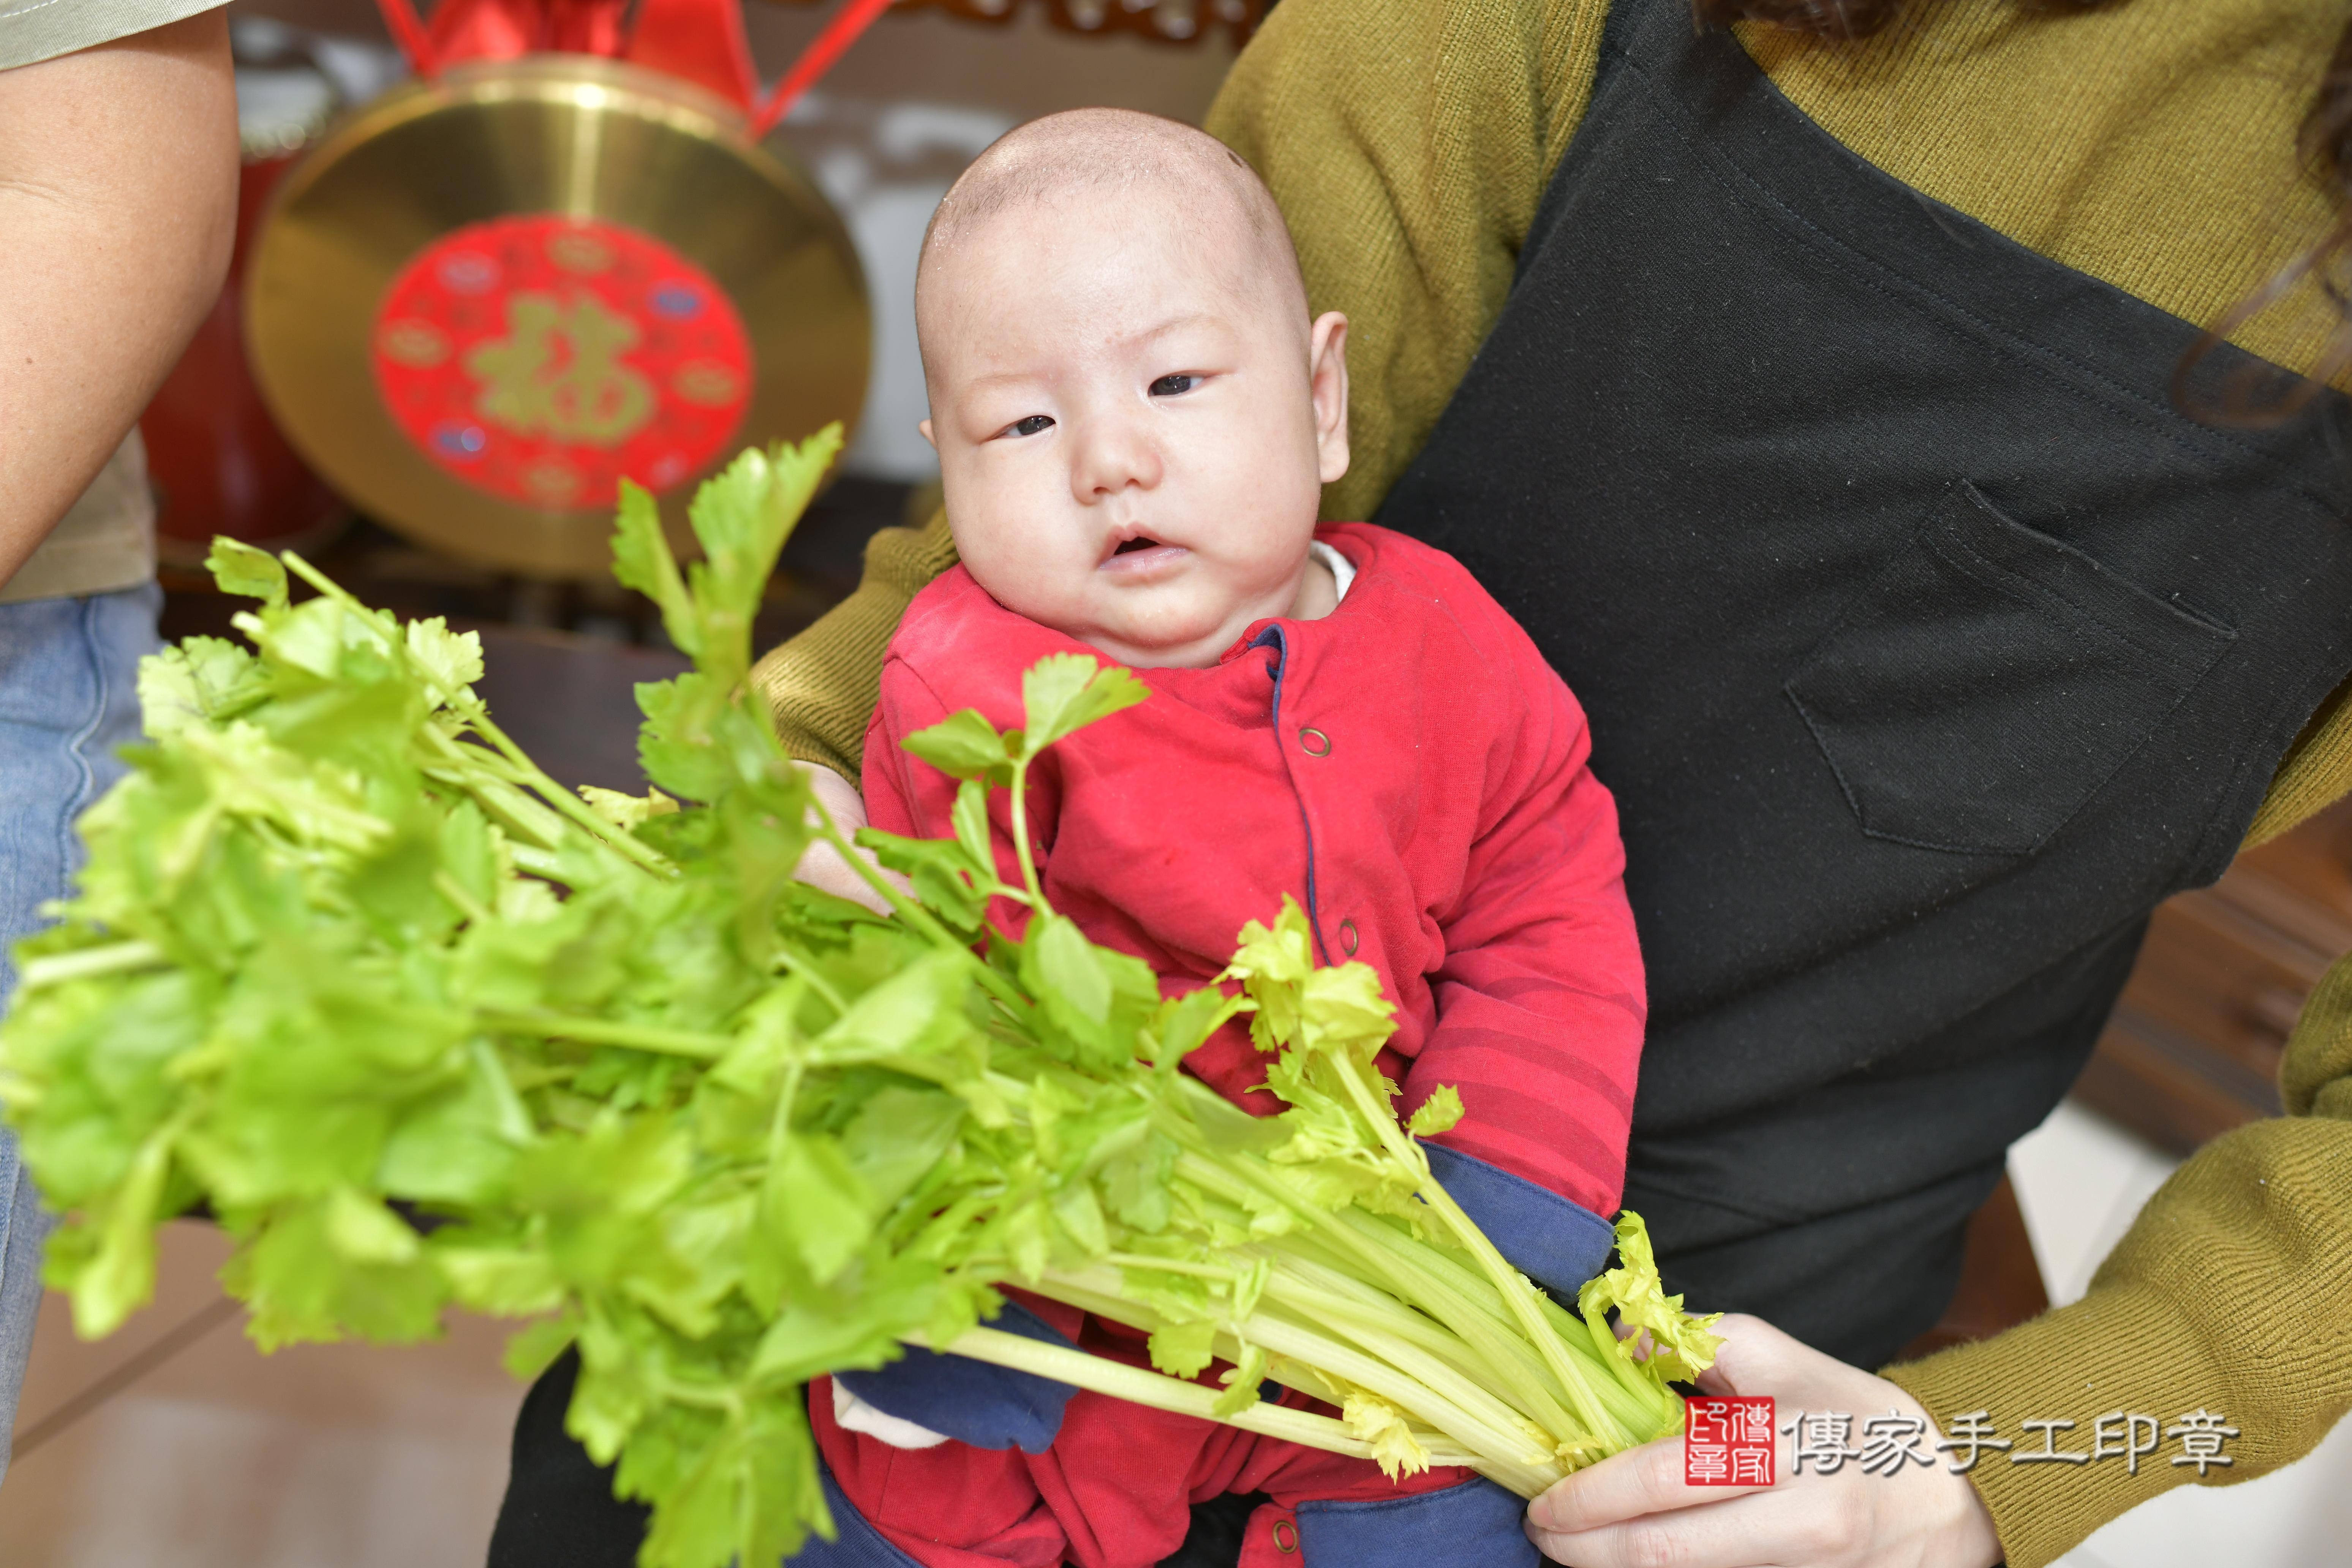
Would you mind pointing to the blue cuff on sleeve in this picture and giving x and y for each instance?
(1557, 1243)
(1476, 1522)
(975, 1402)
(855, 1543)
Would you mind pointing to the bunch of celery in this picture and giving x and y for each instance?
(341, 946)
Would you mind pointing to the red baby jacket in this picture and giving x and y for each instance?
(1408, 767)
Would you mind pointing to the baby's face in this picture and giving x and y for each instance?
(1134, 420)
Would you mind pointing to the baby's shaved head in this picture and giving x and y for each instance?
(1115, 154)
(1134, 415)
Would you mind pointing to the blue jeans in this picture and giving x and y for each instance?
(68, 698)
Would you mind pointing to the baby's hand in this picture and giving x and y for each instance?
(853, 1414)
(822, 865)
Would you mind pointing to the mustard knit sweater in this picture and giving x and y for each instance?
(2150, 144)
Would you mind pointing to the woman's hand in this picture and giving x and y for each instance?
(822, 865)
(1632, 1510)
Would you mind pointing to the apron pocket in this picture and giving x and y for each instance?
(1991, 681)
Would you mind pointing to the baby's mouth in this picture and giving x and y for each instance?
(1142, 560)
(1145, 546)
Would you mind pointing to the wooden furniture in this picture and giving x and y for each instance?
(2193, 1048)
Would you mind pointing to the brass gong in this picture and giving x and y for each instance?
(488, 297)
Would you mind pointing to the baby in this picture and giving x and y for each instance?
(1135, 414)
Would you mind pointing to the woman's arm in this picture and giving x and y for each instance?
(2225, 1297)
(821, 685)
(117, 201)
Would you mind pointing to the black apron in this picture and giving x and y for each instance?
(1926, 645)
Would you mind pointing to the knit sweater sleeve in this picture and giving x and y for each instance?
(1408, 145)
(822, 684)
(2223, 1298)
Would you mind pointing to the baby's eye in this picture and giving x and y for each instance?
(1174, 385)
(1030, 426)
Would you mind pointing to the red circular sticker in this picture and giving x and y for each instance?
(544, 359)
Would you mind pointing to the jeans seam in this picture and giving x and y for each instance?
(17, 1193)
(100, 694)
(12, 1183)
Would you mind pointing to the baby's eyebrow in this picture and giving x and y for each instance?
(1189, 319)
(1031, 377)
(1192, 318)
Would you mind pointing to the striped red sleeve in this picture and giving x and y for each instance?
(1540, 1000)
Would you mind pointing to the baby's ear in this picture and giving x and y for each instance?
(1328, 380)
(925, 426)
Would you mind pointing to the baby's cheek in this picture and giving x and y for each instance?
(1025, 567)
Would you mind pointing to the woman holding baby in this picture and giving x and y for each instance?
(1829, 399)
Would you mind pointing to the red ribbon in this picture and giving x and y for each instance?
(700, 41)
(815, 60)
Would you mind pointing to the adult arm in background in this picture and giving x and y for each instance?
(118, 205)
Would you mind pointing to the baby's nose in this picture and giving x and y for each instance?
(1113, 456)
